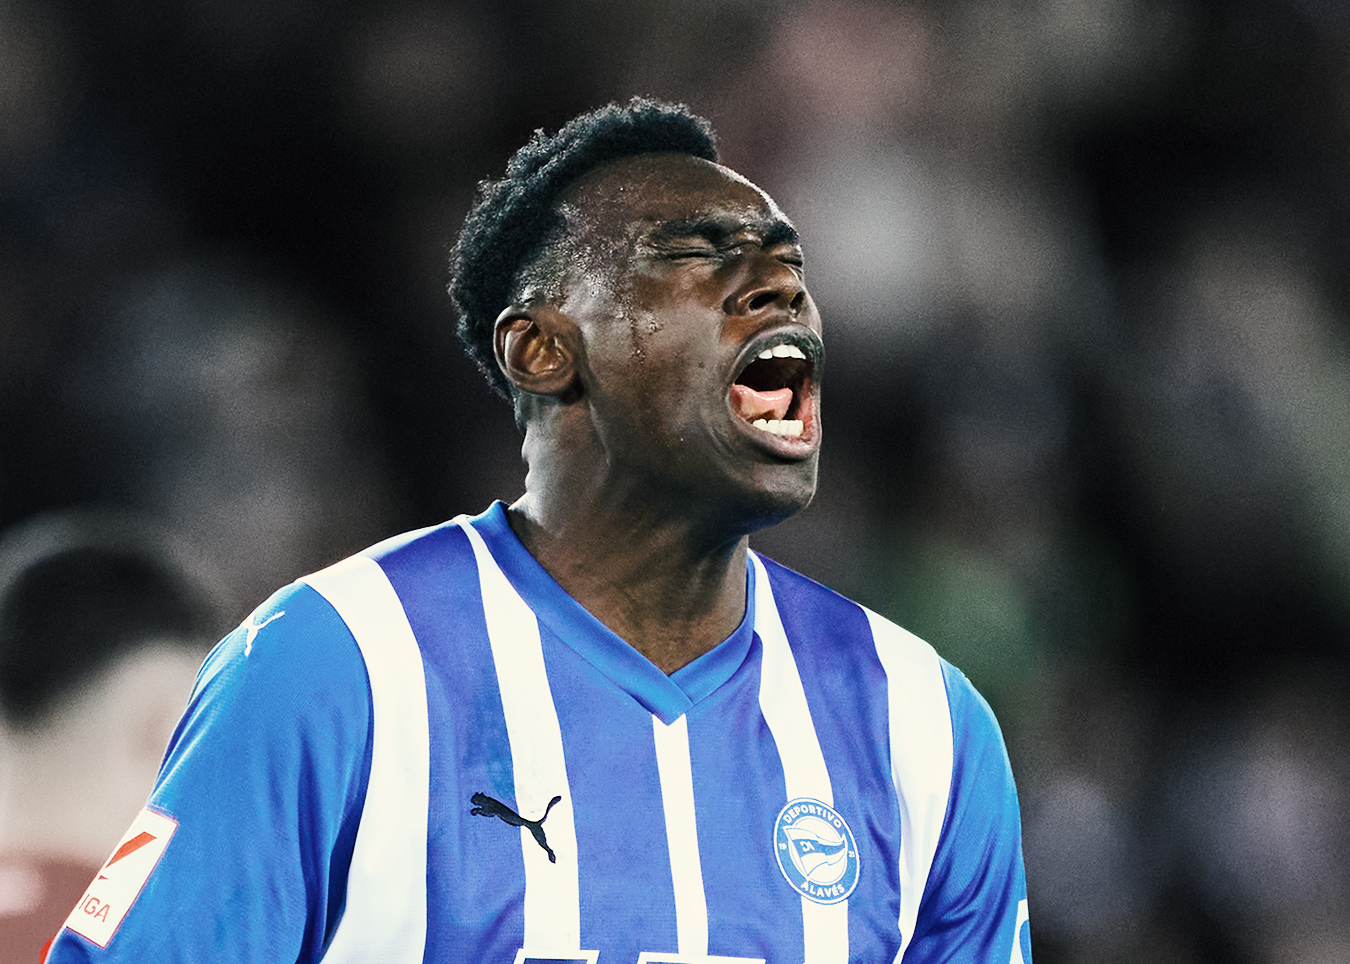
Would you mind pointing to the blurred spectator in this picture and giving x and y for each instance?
(1089, 753)
(236, 415)
(37, 85)
(1257, 801)
(103, 623)
(1230, 401)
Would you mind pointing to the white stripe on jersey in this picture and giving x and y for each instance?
(386, 914)
(552, 891)
(783, 703)
(921, 756)
(1023, 915)
(686, 870)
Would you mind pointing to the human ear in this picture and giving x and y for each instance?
(535, 349)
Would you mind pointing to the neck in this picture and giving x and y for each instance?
(666, 588)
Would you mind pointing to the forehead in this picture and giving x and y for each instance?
(650, 193)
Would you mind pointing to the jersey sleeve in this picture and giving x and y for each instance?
(974, 908)
(263, 784)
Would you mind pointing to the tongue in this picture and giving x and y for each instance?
(750, 404)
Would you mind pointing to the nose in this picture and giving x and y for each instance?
(770, 284)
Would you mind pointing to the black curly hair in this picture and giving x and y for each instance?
(514, 220)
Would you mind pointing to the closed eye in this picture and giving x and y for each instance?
(696, 253)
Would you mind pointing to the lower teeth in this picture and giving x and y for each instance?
(775, 426)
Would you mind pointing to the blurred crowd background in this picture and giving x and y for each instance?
(1085, 276)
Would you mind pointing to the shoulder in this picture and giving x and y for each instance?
(304, 635)
(950, 733)
(295, 638)
(819, 614)
(974, 726)
(816, 614)
(429, 545)
(290, 672)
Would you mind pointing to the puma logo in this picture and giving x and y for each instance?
(254, 628)
(485, 806)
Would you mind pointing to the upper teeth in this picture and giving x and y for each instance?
(783, 351)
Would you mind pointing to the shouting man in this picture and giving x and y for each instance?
(593, 725)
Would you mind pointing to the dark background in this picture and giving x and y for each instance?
(1083, 270)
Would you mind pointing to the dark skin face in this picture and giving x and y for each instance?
(641, 384)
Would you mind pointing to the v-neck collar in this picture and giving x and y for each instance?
(667, 697)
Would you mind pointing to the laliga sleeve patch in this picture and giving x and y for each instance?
(121, 879)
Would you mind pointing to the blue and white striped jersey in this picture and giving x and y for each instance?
(430, 752)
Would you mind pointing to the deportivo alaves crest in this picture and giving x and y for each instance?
(816, 851)
(485, 806)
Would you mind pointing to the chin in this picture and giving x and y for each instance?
(777, 498)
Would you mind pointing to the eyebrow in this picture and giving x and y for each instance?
(720, 230)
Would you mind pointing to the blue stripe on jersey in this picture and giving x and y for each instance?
(475, 876)
(739, 789)
(626, 894)
(843, 690)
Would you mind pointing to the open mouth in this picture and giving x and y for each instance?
(771, 393)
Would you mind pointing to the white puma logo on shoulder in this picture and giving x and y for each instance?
(254, 628)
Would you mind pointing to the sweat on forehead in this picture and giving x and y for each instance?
(668, 195)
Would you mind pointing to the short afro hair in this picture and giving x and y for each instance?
(513, 219)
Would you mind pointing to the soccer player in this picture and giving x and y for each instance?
(590, 726)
